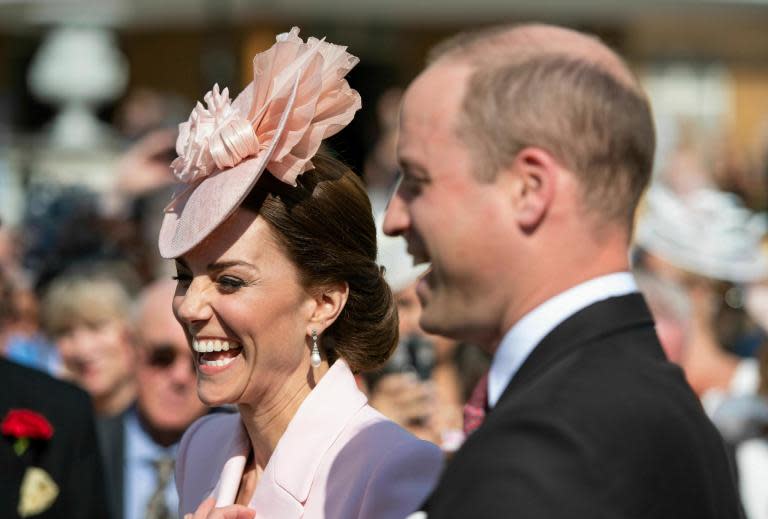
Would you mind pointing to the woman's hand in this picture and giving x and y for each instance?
(206, 510)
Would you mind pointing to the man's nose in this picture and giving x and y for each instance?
(396, 218)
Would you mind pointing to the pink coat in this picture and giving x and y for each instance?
(338, 459)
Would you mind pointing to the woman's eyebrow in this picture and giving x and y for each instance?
(221, 265)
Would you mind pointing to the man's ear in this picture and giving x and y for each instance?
(532, 180)
(329, 302)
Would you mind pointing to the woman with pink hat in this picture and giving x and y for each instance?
(282, 302)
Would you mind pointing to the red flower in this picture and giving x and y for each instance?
(23, 423)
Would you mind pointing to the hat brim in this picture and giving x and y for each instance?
(200, 209)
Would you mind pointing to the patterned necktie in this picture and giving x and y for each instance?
(157, 508)
(474, 409)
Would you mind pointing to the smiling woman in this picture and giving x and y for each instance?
(282, 302)
(85, 313)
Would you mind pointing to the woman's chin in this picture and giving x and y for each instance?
(215, 398)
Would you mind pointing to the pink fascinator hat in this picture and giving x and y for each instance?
(297, 98)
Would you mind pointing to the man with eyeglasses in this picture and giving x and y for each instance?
(141, 443)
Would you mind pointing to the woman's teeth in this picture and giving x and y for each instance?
(220, 362)
(208, 346)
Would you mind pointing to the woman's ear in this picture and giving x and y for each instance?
(329, 302)
(535, 174)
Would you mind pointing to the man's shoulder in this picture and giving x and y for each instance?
(612, 389)
(613, 379)
(26, 386)
(587, 436)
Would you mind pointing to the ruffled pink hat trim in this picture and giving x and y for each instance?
(298, 97)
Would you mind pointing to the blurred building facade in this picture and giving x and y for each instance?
(705, 62)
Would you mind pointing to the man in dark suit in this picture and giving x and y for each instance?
(524, 152)
(70, 458)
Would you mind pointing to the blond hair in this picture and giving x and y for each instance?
(79, 299)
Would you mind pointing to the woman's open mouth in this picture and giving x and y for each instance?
(216, 352)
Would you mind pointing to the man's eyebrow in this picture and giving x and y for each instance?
(410, 168)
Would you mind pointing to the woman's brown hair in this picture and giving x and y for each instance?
(326, 227)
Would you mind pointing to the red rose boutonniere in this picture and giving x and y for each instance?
(38, 490)
(25, 425)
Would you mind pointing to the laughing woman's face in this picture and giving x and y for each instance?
(245, 314)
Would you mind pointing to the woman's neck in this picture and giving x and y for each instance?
(266, 422)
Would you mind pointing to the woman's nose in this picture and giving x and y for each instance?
(192, 305)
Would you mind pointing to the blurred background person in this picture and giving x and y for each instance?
(701, 264)
(56, 476)
(56, 472)
(706, 248)
(87, 314)
(140, 444)
(380, 166)
(752, 452)
(144, 185)
(22, 340)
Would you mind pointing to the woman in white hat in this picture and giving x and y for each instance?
(282, 302)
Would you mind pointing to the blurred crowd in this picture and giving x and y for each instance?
(86, 298)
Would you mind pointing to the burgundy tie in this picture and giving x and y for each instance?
(474, 409)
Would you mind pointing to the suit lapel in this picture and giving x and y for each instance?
(111, 434)
(599, 319)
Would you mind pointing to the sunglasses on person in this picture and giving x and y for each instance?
(163, 356)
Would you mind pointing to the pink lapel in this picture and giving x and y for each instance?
(236, 454)
(288, 477)
(315, 427)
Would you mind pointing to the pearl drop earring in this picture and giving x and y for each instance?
(315, 359)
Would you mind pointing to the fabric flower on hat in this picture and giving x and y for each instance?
(214, 137)
(297, 98)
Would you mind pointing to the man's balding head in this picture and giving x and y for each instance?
(521, 42)
(560, 90)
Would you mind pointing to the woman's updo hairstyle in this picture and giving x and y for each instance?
(325, 225)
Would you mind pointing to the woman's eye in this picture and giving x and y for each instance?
(183, 279)
(230, 283)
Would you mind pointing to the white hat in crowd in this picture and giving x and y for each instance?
(708, 232)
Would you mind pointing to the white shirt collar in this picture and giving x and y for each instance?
(525, 335)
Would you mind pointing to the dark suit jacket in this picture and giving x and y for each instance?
(596, 424)
(111, 434)
(71, 457)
